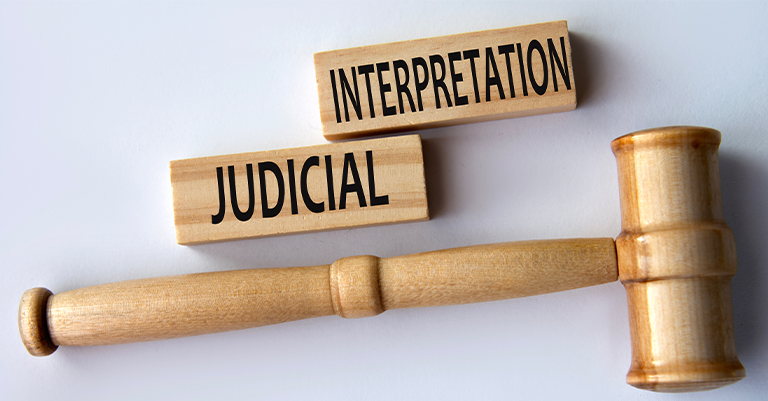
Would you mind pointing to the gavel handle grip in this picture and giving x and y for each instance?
(187, 305)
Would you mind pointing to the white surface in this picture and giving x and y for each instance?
(97, 98)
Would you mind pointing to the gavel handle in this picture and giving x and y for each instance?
(187, 305)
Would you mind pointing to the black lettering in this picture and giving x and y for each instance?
(216, 219)
(490, 61)
(329, 179)
(522, 69)
(438, 83)
(366, 70)
(402, 87)
(375, 200)
(356, 186)
(266, 211)
(233, 193)
(539, 89)
(471, 55)
(420, 85)
(347, 91)
(505, 50)
(292, 184)
(336, 98)
(384, 88)
(460, 100)
(563, 67)
(312, 206)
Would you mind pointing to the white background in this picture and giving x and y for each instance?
(97, 98)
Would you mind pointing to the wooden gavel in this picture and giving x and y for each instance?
(675, 256)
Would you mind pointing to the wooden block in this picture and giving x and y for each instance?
(447, 80)
(315, 188)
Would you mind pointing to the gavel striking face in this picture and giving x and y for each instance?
(675, 256)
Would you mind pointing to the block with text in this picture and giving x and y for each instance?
(447, 80)
(316, 188)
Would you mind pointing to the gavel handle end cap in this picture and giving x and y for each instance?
(33, 322)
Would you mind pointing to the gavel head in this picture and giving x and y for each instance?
(676, 259)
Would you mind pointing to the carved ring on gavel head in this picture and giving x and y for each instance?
(675, 256)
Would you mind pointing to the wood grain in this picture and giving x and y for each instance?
(187, 305)
(360, 286)
(493, 272)
(676, 260)
(373, 182)
(675, 256)
(33, 322)
(447, 80)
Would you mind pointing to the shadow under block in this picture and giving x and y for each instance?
(446, 80)
(316, 188)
